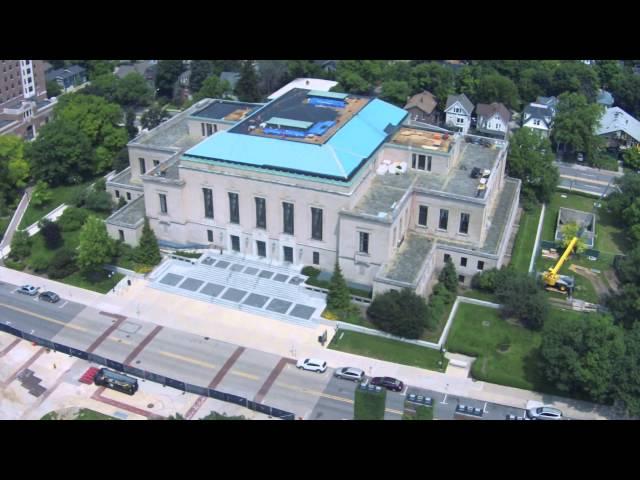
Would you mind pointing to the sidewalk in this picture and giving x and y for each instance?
(280, 338)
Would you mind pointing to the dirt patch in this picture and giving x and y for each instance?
(599, 285)
(614, 284)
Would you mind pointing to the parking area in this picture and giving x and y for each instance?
(249, 285)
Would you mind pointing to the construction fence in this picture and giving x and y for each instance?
(147, 375)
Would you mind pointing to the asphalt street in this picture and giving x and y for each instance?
(203, 361)
(592, 180)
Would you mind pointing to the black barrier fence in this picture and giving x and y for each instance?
(153, 377)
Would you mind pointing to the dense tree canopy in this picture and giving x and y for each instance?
(436, 78)
(521, 297)
(96, 248)
(153, 117)
(580, 355)
(167, 74)
(396, 92)
(247, 88)
(213, 87)
(497, 88)
(624, 204)
(14, 168)
(400, 313)
(575, 125)
(531, 160)
(200, 71)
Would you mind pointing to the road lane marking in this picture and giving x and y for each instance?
(193, 361)
(43, 317)
(444, 400)
(585, 180)
(65, 302)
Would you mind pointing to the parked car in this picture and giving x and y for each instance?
(580, 157)
(350, 373)
(312, 364)
(544, 413)
(389, 383)
(28, 290)
(49, 297)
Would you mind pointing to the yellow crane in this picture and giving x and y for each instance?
(553, 280)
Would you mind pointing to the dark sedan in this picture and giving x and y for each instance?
(389, 383)
(49, 297)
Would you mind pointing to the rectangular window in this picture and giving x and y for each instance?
(421, 162)
(460, 120)
(143, 167)
(262, 248)
(163, 203)
(117, 193)
(235, 243)
(316, 223)
(287, 217)
(209, 129)
(429, 163)
(316, 258)
(364, 242)
(234, 208)
(461, 278)
(444, 219)
(156, 163)
(464, 223)
(447, 257)
(261, 213)
(463, 261)
(128, 195)
(208, 202)
(422, 215)
(480, 265)
(210, 236)
(202, 126)
(288, 254)
(121, 234)
(215, 128)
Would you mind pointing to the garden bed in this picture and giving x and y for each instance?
(369, 405)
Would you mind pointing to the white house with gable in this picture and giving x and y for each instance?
(458, 112)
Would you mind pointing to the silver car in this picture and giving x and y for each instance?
(350, 373)
(28, 290)
(544, 413)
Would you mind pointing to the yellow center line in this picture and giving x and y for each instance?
(42, 317)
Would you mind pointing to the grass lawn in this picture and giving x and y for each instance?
(434, 335)
(574, 201)
(59, 195)
(608, 162)
(388, 350)
(507, 354)
(584, 289)
(4, 223)
(84, 414)
(421, 413)
(101, 284)
(478, 295)
(369, 405)
(523, 247)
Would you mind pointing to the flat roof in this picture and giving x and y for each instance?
(357, 135)
(316, 84)
(415, 137)
(130, 215)
(287, 122)
(226, 110)
(409, 259)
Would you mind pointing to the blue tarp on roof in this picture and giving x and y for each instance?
(337, 158)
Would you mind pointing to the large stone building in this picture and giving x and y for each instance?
(312, 177)
(24, 107)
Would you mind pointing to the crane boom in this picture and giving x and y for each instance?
(551, 276)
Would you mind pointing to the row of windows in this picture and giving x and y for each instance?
(463, 261)
(209, 128)
(443, 221)
(118, 194)
(261, 248)
(421, 162)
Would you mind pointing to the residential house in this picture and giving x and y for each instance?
(551, 102)
(422, 108)
(620, 129)
(493, 119)
(458, 112)
(327, 65)
(605, 98)
(539, 117)
(68, 78)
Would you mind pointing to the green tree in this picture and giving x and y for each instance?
(60, 154)
(41, 194)
(360, 76)
(624, 204)
(99, 120)
(626, 91)
(631, 158)
(580, 355)
(153, 117)
(436, 78)
(50, 231)
(20, 245)
(96, 68)
(339, 297)
(626, 382)
(200, 71)
(104, 86)
(497, 88)
(466, 82)
(129, 124)
(14, 168)
(63, 264)
(247, 86)
(133, 91)
(577, 77)
(53, 89)
(522, 298)
(625, 305)
(575, 124)
(72, 219)
(304, 69)
(273, 75)
(627, 269)
(448, 276)
(569, 231)
(531, 160)
(147, 252)
(96, 248)
(396, 92)
(167, 74)
(609, 72)
(401, 313)
(213, 87)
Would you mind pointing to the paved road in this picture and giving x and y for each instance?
(592, 180)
